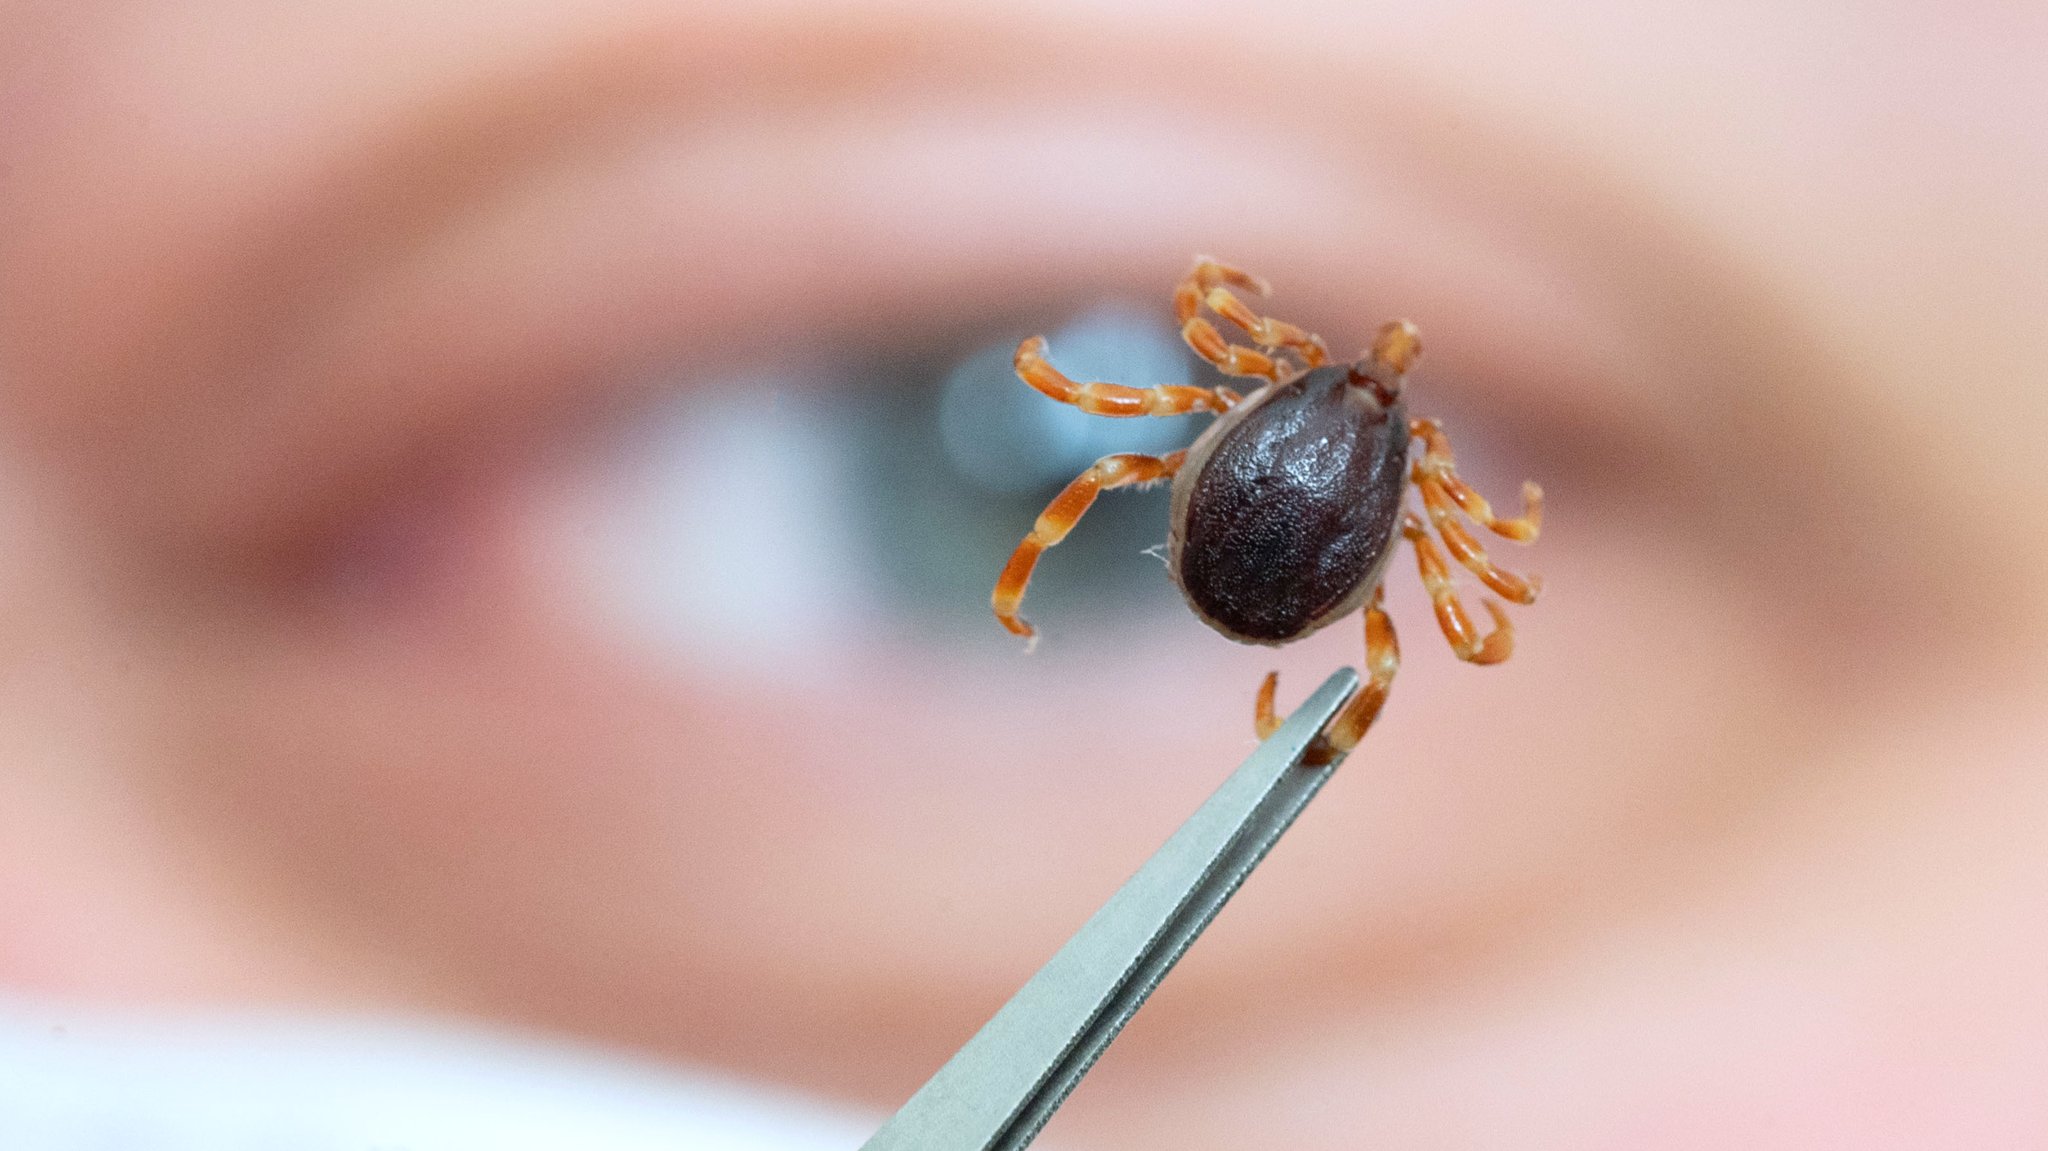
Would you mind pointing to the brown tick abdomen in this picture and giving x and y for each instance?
(1285, 516)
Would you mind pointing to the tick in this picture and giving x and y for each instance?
(1287, 509)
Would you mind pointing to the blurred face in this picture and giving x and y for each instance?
(503, 498)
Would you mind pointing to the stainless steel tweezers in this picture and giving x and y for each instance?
(999, 1090)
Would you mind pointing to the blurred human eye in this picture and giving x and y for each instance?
(815, 508)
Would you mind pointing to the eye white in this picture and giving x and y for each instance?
(718, 528)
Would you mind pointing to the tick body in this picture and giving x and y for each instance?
(1286, 510)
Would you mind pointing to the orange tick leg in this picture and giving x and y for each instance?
(1059, 518)
(1465, 639)
(1115, 399)
(1210, 282)
(1465, 549)
(1438, 462)
(1265, 720)
(1382, 660)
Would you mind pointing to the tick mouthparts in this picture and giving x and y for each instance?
(1383, 383)
(1394, 351)
(1397, 346)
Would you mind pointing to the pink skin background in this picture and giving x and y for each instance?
(1745, 846)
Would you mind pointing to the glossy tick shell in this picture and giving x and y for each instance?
(1287, 509)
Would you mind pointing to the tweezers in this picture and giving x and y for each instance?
(999, 1090)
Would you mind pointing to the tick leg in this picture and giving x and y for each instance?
(1209, 283)
(1382, 660)
(1466, 641)
(1230, 359)
(1266, 331)
(1115, 399)
(1466, 550)
(1059, 518)
(1438, 462)
(1265, 720)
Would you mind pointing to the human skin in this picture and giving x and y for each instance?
(306, 311)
